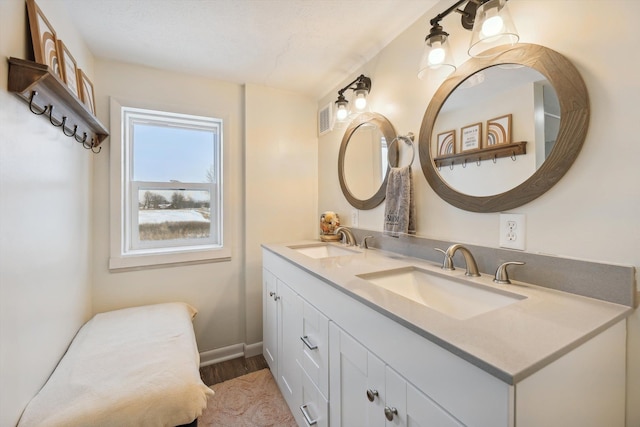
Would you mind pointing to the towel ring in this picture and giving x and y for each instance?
(408, 139)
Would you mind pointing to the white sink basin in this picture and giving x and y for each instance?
(323, 250)
(456, 298)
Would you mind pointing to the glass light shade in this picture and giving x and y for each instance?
(492, 27)
(360, 101)
(436, 56)
(341, 111)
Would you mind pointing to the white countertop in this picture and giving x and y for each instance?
(510, 343)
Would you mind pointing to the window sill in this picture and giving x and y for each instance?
(168, 259)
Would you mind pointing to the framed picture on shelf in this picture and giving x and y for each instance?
(43, 38)
(470, 137)
(86, 91)
(68, 68)
(499, 131)
(446, 143)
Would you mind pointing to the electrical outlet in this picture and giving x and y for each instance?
(354, 218)
(513, 231)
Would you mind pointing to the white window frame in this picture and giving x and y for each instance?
(126, 250)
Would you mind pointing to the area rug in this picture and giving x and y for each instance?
(252, 400)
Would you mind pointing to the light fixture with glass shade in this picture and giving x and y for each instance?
(361, 87)
(492, 26)
(436, 53)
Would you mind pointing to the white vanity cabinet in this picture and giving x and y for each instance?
(341, 361)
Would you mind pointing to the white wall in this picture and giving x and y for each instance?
(45, 226)
(215, 289)
(592, 213)
(281, 175)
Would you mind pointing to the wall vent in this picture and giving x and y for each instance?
(325, 117)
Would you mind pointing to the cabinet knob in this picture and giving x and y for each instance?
(274, 296)
(390, 412)
(372, 394)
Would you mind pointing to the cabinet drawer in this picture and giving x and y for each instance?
(315, 347)
(314, 410)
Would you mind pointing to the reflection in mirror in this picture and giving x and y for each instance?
(364, 159)
(506, 89)
(567, 119)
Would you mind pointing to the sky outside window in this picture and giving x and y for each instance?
(166, 154)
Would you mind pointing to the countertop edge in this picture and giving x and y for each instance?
(507, 377)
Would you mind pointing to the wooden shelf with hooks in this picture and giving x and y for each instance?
(491, 153)
(27, 77)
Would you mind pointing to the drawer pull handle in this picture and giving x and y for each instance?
(305, 340)
(390, 412)
(307, 417)
(372, 394)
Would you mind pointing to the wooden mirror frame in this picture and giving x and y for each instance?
(389, 133)
(574, 121)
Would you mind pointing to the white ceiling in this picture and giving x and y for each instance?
(307, 46)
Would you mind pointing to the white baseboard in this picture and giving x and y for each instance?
(230, 352)
(253, 349)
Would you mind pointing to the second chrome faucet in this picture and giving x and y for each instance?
(447, 262)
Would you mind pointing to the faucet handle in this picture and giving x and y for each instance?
(363, 244)
(447, 262)
(501, 277)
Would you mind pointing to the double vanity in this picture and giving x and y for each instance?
(366, 337)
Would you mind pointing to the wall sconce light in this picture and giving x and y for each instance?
(491, 25)
(361, 87)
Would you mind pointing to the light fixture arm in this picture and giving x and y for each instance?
(440, 16)
(468, 13)
(361, 82)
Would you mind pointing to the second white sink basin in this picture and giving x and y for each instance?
(456, 298)
(323, 250)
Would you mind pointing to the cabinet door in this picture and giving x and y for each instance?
(424, 412)
(290, 346)
(356, 385)
(410, 407)
(270, 321)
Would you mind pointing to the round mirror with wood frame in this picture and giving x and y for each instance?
(574, 112)
(387, 131)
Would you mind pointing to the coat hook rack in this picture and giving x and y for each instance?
(41, 89)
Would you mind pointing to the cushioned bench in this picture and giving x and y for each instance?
(131, 367)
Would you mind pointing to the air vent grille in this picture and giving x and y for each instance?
(324, 120)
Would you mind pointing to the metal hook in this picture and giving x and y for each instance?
(439, 165)
(81, 140)
(495, 158)
(75, 129)
(64, 119)
(513, 156)
(464, 163)
(87, 145)
(94, 151)
(33, 95)
(451, 165)
(478, 161)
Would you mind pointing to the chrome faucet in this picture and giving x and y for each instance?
(349, 238)
(447, 263)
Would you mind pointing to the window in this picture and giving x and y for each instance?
(171, 189)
